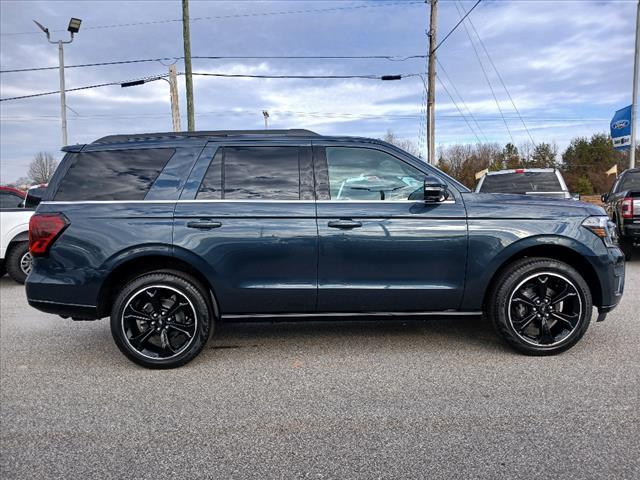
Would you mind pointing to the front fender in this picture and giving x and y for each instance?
(485, 260)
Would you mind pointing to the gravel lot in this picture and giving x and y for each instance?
(377, 399)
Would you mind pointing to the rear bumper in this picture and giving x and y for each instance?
(631, 229)
(75, 311)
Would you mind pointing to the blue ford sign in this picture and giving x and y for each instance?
(621, 128)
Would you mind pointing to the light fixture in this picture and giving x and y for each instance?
(74, 25)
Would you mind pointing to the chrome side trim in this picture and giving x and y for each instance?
(338, 202)
(445, 313)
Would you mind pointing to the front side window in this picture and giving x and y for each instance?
(113, 174)
(630, 181)
(252, 173)
(367, 174)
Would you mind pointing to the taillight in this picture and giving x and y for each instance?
(627, 207)
(44, 228)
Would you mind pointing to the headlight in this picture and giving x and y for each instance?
(603, 228)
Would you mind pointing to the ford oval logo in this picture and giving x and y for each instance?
(620, 124)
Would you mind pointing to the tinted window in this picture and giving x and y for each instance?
(521, 183)
(367, 174)
(630, 181)
(10, 200)
(253, 173)
(113, 175)
(211, 187)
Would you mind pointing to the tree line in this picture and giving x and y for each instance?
(583, 163)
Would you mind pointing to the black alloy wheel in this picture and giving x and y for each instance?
(161, 320)
(545, 308)
(540, 306)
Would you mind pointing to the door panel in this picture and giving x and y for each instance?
(382, 255)
(260, 254)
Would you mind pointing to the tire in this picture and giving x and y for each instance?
(18, 261)
(626, 245)
(521, 306)
(2, 269)
(161, 319)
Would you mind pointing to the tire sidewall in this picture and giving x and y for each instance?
(186, 287)
(13, 259)
(512, 278)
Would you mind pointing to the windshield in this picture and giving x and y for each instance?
(521, 183)
(631, 181)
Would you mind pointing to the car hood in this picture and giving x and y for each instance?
(526, 206)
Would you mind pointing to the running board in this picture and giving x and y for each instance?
(348, 314)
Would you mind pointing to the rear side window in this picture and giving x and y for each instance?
(113, 175)
(10, 200)
(253, 173)
(521, 183)
(630, 181)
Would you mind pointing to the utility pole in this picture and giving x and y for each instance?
(173, 92)
(73, 28)
(634, 102)
(431, 84)
(186, 35)
(265, 114)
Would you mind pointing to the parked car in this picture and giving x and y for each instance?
(170, 234)
(14, 234)
(622, 204)
(544, 182)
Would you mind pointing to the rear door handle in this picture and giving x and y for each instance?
(344, 224)
(204, 224)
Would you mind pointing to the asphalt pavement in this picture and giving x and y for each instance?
(437, 398)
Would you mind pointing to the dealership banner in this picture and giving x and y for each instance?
(621, 128)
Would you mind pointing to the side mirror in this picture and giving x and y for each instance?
(575, 196)
(604, 197)
(434, 190)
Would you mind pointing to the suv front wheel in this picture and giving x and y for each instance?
(161, 319)
(540, 306)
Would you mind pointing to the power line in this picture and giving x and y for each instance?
(42, 94)
(486, 77)
(224, 75)
(230, 16)
(392, 58)
(455, 27)
(458, 108)
(453, 85)
(499, 77)
(305, 77)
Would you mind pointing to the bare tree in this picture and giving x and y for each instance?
(406, 145)
(42, 167)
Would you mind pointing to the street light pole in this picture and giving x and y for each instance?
(73, 28)
(63, 95)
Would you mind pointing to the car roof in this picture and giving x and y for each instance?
(221, 135)
(13, 190)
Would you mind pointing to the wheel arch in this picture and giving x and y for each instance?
(561, 253)
(139, 265)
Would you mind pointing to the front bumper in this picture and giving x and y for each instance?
(611, 274)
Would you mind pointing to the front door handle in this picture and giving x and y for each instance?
(204, 224)
(344, 224)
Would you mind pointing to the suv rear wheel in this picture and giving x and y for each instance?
(18, 261)
(540, 306)
(161, 319)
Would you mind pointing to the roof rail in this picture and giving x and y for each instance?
(294, 132)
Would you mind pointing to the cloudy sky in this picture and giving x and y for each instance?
(566, 64)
